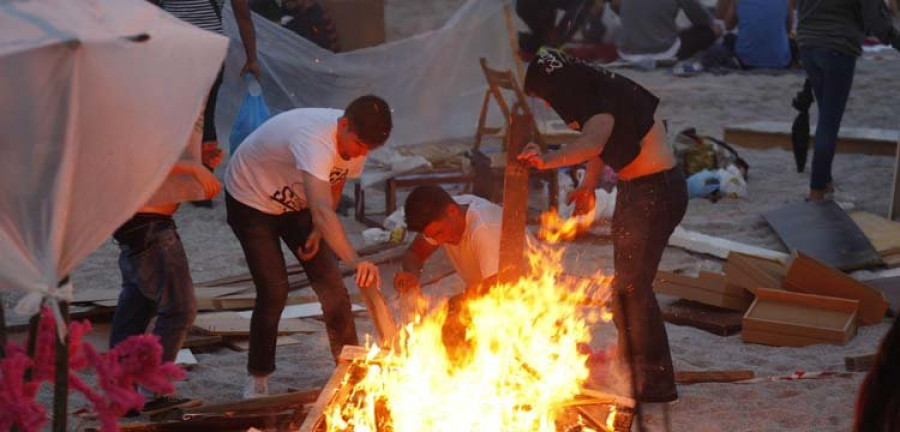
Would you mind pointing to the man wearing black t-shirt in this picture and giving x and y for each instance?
(616, 118)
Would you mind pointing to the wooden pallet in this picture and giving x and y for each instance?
(708, 288)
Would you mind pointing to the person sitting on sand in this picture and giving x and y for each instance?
(649, 28)
(763, 27)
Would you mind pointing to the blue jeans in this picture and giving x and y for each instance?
(831, 76)
(156, 281)
(260, 235)
(647, 211)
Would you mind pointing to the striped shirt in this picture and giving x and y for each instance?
(201, 13)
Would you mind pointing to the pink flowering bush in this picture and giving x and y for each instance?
(136, 361)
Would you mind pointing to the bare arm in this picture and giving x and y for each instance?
(730, 17)
(336, 190)
(320, 198)
(244, 21)
(696, 13)
(790, 17)
(589, 144)
(418, 252)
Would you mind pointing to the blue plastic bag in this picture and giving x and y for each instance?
(253, 112)
(703, 184)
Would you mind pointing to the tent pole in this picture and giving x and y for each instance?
(61, 384)
(2, 330)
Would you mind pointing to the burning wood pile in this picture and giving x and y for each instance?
(516, 365)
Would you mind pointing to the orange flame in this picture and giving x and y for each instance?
(519, 367)
(555, 229)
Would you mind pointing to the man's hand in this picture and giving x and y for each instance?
(211, 154)
(584, 200)
(405, 281)
(531, 156)
(367, 274)
(253, 67)
(208, 181)
(311, 247)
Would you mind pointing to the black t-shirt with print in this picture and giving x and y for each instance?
(578, 91)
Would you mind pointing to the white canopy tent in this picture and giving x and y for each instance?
(97, 101)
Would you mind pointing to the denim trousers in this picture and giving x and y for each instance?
(831, 76)
(156, 281)
(260, 235)
(647, 211)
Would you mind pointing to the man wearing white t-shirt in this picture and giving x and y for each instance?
(284, 183)
(466, 226)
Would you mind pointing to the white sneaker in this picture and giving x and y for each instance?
(256, 387)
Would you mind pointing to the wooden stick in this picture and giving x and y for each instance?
(279, 402)
(515, 199)
(385, 325)
(61, 378)
(318, 409)
(694, 377)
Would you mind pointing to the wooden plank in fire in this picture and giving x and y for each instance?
(515, 198)
(332, 389)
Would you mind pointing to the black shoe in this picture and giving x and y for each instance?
(167, 403)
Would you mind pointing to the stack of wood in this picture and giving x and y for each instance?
(805, 303)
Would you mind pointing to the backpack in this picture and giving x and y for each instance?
(695, 153)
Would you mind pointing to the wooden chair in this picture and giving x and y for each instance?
(498, 82)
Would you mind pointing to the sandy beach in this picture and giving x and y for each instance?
(706, 102)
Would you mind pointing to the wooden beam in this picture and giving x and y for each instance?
(331, 387)
(695, 377)
(861, 363)
(382, 317)
(280, 402)
(515, 199)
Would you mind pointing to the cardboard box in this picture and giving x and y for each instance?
(359, 23)
(707, 288)
(783, 318)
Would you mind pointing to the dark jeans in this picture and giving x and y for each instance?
(647, 211)
(694, 40)
(156, 281)
(259, 234)
(831, 75)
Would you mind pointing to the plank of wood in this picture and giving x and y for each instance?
(303, 310)
(708, 288)
(824, 231)
(231, 324)
(200, 341)
(862, 363)
(265, 403)
(385, 325)
(243, 344)
(750, 272)
(718, 321)
(724, 376)
(608, 398)
(884, 234)
(811, 276)
(215, 422)
(718, 247)
(785, 318)
(248, 300)
(92, 295)
(314, 418)
(769, 134)
(515, 200)
(106, 303)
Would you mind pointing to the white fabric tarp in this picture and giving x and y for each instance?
(432, 81)
(97, 101)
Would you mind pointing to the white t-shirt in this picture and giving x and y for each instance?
(477, 255)
(266, 170)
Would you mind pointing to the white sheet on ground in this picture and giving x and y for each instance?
(97, 100)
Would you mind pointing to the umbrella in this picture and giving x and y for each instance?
(97, 101)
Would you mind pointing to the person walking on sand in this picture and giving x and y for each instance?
(830, 34)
